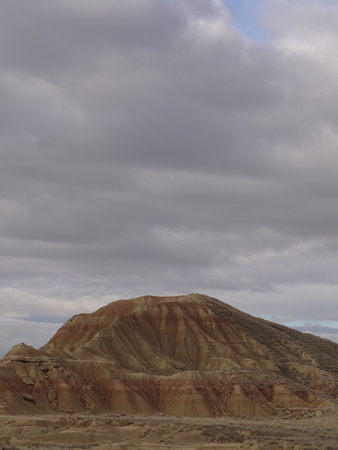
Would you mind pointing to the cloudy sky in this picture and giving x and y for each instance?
(166, 147)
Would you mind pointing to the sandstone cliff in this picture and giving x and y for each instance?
(187, 356)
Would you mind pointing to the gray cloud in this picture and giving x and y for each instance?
(152, 147)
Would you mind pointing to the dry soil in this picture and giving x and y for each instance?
(108, 432)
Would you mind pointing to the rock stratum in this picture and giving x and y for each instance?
(184, 356)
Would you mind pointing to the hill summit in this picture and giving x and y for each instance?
(187, 355)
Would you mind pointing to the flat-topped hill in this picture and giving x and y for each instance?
(186, 355)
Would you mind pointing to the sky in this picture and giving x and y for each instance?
(166, 147)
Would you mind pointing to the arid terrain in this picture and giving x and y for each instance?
(110, 431)
(185, 372)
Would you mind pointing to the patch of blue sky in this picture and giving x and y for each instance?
(298, 323)
(314, 323)
(246, 16)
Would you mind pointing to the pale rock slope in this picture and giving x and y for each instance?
(186, 356)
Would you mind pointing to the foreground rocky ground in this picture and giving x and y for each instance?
(108, 432)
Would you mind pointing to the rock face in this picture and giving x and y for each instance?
(186, 356)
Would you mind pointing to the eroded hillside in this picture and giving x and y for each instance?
(188, 356)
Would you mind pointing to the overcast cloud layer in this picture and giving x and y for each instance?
(154, 147)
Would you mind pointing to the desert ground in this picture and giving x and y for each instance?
(108, 432)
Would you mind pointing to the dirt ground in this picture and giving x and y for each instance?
(108, 432)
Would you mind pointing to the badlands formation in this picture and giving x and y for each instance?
(174, 360)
